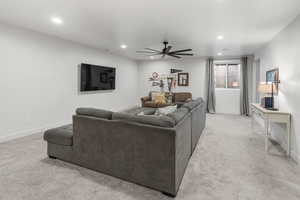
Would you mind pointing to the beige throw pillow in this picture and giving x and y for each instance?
(160, 99)
(154, 94)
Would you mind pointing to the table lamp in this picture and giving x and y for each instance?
(268, 89)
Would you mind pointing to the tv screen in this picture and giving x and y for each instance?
(95, 77)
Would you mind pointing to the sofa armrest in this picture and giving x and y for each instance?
(145, 99)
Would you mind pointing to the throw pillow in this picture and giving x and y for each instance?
(160, 99)
(141, 113)
(166, 110)
(153, 95)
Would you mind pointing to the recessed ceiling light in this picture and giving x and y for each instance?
(56, 20)
(220, 37)
(220, 54)
(123, 46)
(151, 57)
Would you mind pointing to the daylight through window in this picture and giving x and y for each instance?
(227, 76)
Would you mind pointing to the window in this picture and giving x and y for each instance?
(227, 76)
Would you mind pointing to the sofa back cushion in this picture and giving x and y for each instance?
(93, 112)
(136, 110)
(153, 95)
(162, 121)
(192, 104)
(179, 114)
(182, 96)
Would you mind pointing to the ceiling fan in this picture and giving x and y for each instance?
(166, 51)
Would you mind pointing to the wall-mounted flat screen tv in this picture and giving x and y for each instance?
(94, 77)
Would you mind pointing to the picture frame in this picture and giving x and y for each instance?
(272, 75)
(183, 79)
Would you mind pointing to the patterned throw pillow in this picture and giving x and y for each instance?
(160, 99)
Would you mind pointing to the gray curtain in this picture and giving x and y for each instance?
(244, 87)
(210, 87)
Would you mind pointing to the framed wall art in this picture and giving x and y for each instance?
(183, 79)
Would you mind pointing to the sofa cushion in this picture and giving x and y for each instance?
(179, 114)
(93, 112)
(137, 110)
(192, 104)
(62, 135)
(166, 110)
(162, 121)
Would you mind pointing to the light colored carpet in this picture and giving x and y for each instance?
(228, 163)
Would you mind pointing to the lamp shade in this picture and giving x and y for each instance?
(266, 88)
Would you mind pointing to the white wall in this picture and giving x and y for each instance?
(228, 101)
(283, 52)
(195, 67)
(39, 81)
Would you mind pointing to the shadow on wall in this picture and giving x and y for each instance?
(87, 92)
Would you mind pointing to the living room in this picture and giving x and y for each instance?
(192, 100)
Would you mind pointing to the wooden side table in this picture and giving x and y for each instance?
(273, 116)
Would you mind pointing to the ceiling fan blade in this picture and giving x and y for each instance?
(173, 56)
(183, 54)
(178, 51)
(155, 54)
(168, 49)
(145, 52)
(152, 50)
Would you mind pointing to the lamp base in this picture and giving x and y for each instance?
(268, 103)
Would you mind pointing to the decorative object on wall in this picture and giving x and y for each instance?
(183, 79)
(272, 76)
(154, 77)
(162, 80)
(161, 85)
(173, 71)
(155, 83)
(170, 83)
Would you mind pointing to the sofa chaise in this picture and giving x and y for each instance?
(149, 150)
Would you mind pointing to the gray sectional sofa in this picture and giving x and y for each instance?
(149, 150)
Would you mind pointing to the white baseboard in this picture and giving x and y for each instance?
(19, 134)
